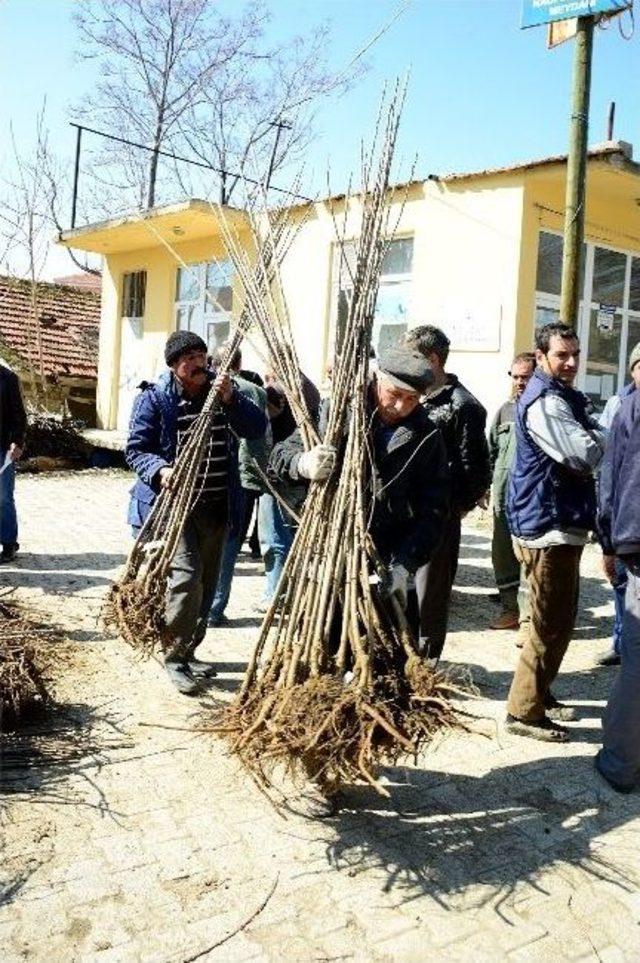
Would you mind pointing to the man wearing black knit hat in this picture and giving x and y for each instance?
(161, 420)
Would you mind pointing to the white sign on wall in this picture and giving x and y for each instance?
(605, 317)
(471, 327)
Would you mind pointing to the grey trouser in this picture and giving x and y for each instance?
(506, 566)
(620, 756)
(510, 576)
(192, 580)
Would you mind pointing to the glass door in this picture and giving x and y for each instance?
(609, 314)
(604, 324)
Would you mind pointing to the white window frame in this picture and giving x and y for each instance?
(387, 280)
(204, 311)
(543, 299)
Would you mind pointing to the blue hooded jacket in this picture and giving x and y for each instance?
(619, 489)
(543, 494)
(153, 435)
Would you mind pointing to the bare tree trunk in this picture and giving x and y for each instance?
(153, 166)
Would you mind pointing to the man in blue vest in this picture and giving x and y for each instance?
(551, 509)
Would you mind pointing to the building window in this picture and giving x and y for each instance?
(204, 300)
(549, 275)
(391, 318)
(609, 313)
(134, 289)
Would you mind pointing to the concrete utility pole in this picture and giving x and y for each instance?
(576, 172)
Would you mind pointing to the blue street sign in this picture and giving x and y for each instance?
(536, 12)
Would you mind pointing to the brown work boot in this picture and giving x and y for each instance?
(506, 620)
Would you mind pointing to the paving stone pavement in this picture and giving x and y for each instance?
(131, 835)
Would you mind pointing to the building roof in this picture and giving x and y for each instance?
(618, 154)
(82, 280)
(196, 218)
(69, 320)
(611, 151)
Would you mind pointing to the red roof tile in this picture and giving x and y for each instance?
(85, 281)
(69, 324)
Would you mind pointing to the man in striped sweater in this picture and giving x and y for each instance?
(162, 417)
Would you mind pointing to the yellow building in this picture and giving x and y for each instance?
(477, 254)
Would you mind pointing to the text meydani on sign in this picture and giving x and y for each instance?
(537, 12)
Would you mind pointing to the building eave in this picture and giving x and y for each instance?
(168, 223)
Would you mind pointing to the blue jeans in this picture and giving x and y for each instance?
(619, 758)
(8, 516)
(225, 577)
(619, 591)
(276, 538)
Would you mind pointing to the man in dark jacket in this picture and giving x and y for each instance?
(162, 417)
(551, 509)
(411, 479)
(619, 526)
(462, 421)
(13, 424)
(275, 525)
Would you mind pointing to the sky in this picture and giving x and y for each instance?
(482, 92)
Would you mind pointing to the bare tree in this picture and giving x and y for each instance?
(31, 194)
(254, 123)
(156, 58)
(24, 219)
(178, 76)
(34, 189)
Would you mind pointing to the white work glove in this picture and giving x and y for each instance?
(399, 584)
(317, 463)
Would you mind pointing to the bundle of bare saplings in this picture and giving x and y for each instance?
(53, 443)
(335, 686)
(23, 665)
(136, 603)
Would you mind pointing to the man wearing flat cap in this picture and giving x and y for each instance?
(410, 482)
(162, 418)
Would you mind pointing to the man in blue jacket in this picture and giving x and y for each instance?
(551, 510)
(619, 526)
(614, 568)
(162, 417)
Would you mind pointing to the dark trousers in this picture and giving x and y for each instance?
(8, 516)
(434, 582)
(553, 578)
(192, 580)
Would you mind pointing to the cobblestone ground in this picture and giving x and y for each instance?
(127, 835)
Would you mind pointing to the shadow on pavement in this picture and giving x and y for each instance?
(228, 667)
(585, 685)
(440, 834)
(63, 573)
(475, 608)
(54, 760)
(44, 562)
